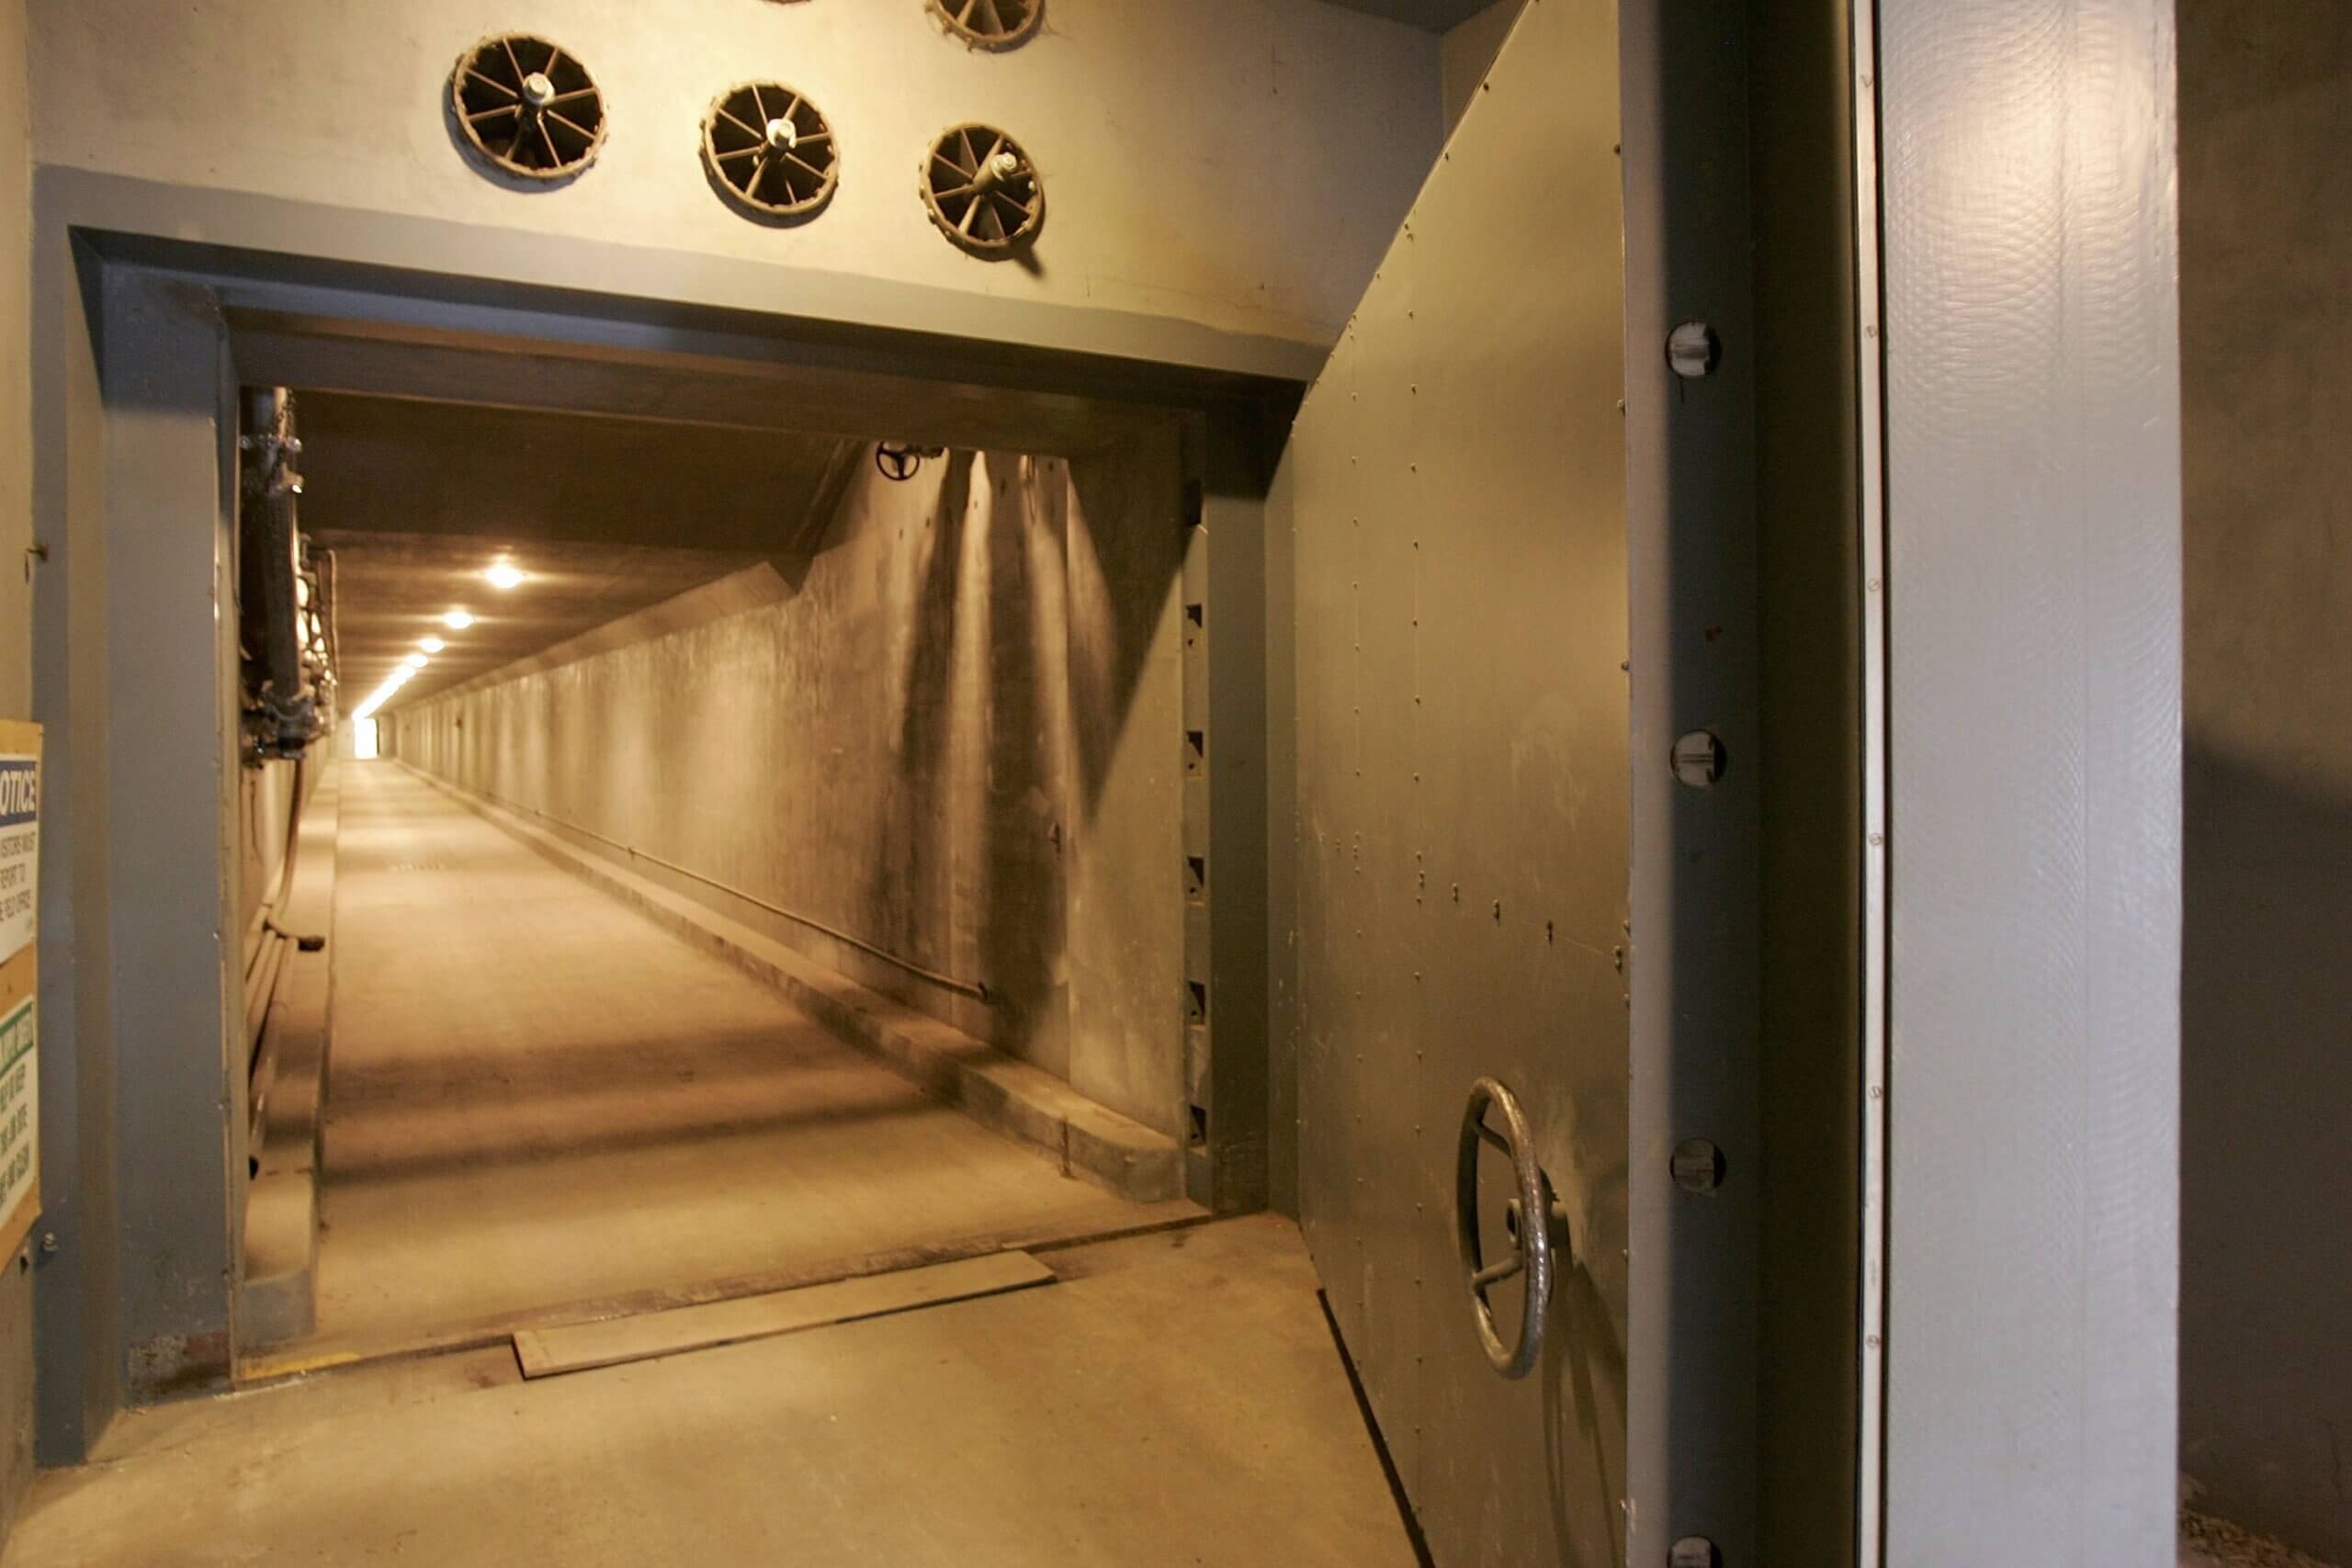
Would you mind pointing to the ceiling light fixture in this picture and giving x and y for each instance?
(383, 693)
(415, 661)
(456, 620)
(503, 575)
(432, 645)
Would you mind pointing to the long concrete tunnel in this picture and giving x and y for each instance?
(677, 872)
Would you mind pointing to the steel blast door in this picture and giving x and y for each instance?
(1458, 485)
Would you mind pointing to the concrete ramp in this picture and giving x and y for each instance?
(584, 1347)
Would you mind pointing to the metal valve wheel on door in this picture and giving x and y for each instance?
(1534, 1246)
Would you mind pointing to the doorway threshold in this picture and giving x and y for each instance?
(332, 1352)
(648, 1337)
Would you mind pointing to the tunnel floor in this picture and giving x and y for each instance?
(1175, 1398)
(540, 1103)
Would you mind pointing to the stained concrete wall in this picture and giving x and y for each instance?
(2265, 96)
(956, 737)
(1167, 134)
(16, 650)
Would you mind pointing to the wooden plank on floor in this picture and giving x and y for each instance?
(584, 1347)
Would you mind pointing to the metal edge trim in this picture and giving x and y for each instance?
(1872, 1307)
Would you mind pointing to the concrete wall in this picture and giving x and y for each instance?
(1467, 49)
(1168, 135)
(2266, 91)
(957, 738)
(15, 653)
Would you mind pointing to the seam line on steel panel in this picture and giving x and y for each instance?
(1405, 1514)
(975, 988)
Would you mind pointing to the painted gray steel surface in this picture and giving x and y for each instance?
(1692, 569)
(2034, 506)
(1457, 484)
(171, 750)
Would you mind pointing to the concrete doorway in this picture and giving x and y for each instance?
(474, 1182)
(774, 873)
(156, 1278)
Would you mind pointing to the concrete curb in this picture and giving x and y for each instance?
(1007, 1095)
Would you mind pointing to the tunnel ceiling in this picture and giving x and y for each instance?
(530, 476)
(605, 515)
(392, 590)
(1431, 16)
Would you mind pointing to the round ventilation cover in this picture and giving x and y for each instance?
(527, 108)
(769, 151)
(983, 191)
(990, 24)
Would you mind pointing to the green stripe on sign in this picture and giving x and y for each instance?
(18, 1022)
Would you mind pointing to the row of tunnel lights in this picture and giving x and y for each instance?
(502, 574)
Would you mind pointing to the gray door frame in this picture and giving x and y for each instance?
(145, 295)
(2025, 324)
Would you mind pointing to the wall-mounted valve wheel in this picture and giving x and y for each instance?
(901, 461)
(527, 108)
(983, 191)
(1537, 1225)
(771, 153)
(990, 24)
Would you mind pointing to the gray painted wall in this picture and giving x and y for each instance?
(956, 737)
(1167, 134)
(2266, 1360)
(2033, 605)
(16, 388)
(15, 648)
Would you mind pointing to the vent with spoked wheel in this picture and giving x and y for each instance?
(526, 108)
(983, 192)
(990, 24)
(771, 153)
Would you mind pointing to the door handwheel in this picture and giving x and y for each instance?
(1532, 1243)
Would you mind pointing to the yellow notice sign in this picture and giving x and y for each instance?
(19, 837)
